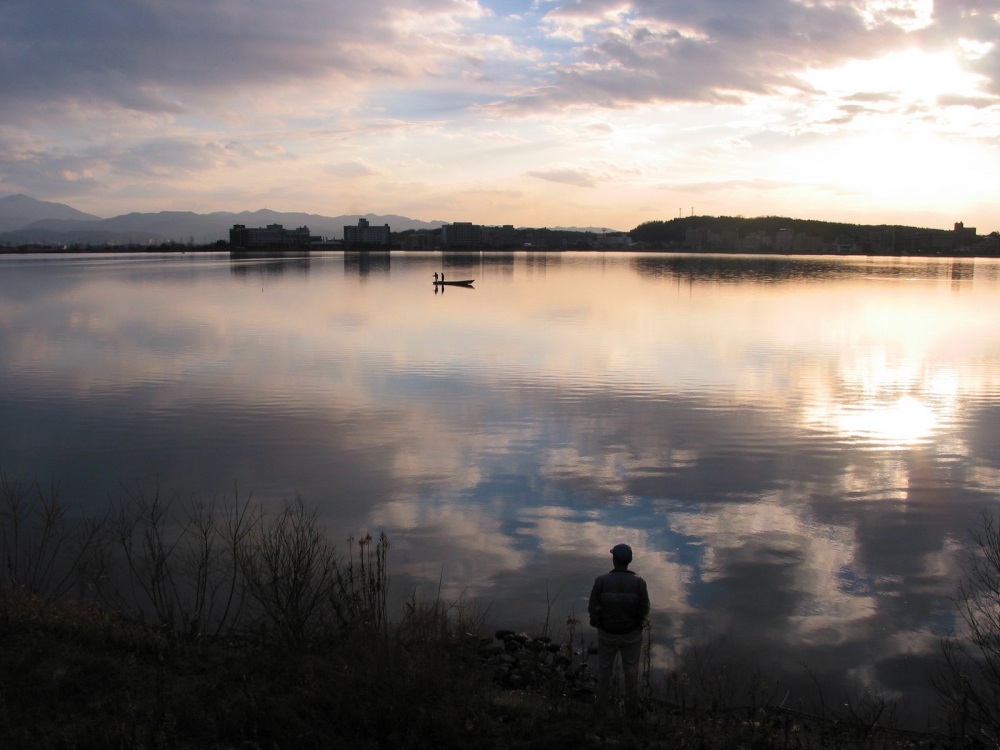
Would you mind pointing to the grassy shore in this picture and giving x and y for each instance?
(217, 625)
(77, 677)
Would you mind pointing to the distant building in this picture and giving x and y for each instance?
(271, 237)
(990, 244)
(807, 243)
(615, 240)
(729, 239)
(462, 234)
(755, 242)
(964, 236)
(784, 240)
(696, 239)
(934, 241)
(420, 241)
(365, 235)
(502, 237)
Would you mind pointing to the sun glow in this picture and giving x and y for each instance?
(901, 423)
(895, 406)
(906, 421)
(907, 76)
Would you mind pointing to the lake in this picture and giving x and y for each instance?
(795, 447)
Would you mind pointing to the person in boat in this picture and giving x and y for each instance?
(619, 608)
(435, 276)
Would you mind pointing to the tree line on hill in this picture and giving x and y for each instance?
(674, 230)
(737, 233)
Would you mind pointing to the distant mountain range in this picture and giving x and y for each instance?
(25, 220)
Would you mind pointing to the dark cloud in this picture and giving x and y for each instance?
(973, 21)
(153, 55)
(174, 57)
(163, 57)
(715, 51)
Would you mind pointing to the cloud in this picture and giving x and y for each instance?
(171, 157)
(353, 169)
(29, 168)
(715, 51)
(977, 102)
(45, 170)
(872, 97)
(599, 129)
(159, 56)
(171, 58)
(846, 113)
(103, 95)
(717, 185)
(566, 176)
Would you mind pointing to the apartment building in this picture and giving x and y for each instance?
(365, 235)
(273, 236)
(462, 234)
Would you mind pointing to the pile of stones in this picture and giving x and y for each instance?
(521, 662)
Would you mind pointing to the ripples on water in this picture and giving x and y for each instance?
(795, 447)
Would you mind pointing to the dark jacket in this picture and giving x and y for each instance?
(619, 602)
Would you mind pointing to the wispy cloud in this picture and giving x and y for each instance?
(977, 102)
(566, 176)
(716, 185)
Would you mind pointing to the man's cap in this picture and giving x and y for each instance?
(622, 552)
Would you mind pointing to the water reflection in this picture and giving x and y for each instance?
(365, 262)
(264, 263)
(795, 454)
(772, 268)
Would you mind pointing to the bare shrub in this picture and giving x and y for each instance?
(41, 550)
(181, 562)
(969, 679)
(290, 572)
(194, 568)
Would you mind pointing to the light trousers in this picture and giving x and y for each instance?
(609, 646)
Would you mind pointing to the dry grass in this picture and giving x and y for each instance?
(215, 625)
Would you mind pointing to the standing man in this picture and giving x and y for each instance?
(619, 606)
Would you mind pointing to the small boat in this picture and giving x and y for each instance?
(463, 282)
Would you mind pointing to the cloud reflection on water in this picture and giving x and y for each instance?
(795, 454)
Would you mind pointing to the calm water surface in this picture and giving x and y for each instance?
(795, 447)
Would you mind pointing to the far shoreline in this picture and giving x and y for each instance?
(306, 251)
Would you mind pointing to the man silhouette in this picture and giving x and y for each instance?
(618, 607)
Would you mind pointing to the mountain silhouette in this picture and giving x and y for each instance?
(20, 211)
(25, 220)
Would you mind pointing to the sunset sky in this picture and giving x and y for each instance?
(600, 113)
